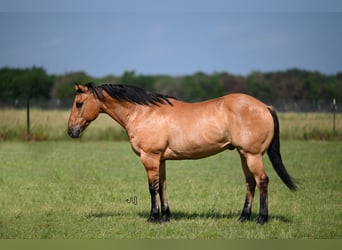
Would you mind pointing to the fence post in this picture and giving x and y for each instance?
(28, 132)
(334, 107)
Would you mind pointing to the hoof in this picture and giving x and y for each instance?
(164, 219)
(262, 219)
(153, 220)
(166, 215)
(244, 217)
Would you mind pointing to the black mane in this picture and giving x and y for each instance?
(129, 93)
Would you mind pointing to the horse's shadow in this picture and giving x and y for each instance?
(180, 215)
(103, 214)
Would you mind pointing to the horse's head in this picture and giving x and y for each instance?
(85, 109)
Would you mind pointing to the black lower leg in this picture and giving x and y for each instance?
(154, 214)
(246, 211)
(165, 209)
(247, 207)
(166, 214)
(263, 213)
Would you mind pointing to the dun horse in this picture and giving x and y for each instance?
(163, 128)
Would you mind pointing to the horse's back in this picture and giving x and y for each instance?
(205, 128)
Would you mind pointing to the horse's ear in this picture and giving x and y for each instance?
(80, 88)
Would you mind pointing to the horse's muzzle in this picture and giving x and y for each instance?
(74, 132)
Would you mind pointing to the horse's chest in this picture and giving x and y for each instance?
(148, 141)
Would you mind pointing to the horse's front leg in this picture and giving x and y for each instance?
(151, 163)
(165, 210)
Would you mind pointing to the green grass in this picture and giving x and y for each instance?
(52, 125)
(77, 190)
(310, 126)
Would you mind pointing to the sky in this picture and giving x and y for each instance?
(182, 37)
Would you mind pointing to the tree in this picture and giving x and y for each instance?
(142, 81)
(24, 83)
(259, 86)
(200, 86)
(233, 84)
(64, 85)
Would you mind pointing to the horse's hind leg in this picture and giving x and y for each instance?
(250, 185)
(256, 166)
(263, 186)
(256, 169)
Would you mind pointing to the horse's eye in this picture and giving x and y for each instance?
(79, 104)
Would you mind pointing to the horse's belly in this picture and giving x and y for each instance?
(202, 139)
(188, 150)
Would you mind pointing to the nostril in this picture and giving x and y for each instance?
(74, 132)
(70, 132)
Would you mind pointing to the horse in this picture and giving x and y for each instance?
(160, 128)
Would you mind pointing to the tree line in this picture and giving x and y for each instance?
(283, 89)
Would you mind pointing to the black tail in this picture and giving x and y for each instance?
(273, 152)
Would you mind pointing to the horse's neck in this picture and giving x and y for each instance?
(120, 111)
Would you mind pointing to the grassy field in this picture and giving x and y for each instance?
(51, 125)
(77, 189)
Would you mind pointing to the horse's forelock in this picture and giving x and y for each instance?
(96, 91)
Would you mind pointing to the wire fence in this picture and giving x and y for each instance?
(39, 119)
